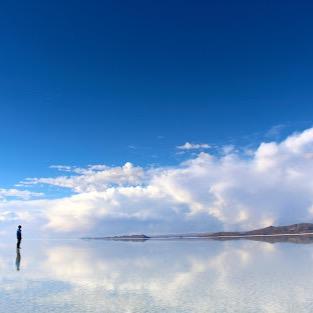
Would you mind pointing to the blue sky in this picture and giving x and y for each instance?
(110, 82)
(81, 82)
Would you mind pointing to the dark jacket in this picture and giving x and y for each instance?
(19, 234)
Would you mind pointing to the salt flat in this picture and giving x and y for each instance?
(156, 276)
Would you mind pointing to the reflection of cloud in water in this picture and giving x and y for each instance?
(162, 276)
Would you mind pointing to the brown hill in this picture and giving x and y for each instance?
(294, 229)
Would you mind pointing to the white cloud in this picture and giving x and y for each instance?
(193, 146)
(93, 178)
(227, 149)
(15, 193)
(273, 185)
(62, 168)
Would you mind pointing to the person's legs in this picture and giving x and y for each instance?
(18, 243)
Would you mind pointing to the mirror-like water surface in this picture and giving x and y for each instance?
(156, 276)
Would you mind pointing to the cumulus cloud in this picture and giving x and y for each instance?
(92, 178)
(271, 185)
(193, 146)
(15, 193)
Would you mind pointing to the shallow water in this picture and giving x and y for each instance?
(156, 276)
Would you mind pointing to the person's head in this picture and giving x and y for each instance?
(19, 226)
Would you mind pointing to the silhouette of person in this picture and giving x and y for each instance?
(19, 236)
(18, 259)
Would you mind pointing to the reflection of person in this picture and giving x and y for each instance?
(18, 259)
(19, 236)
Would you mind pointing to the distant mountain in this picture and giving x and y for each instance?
(123, 237)
(294, 229)
(276, 233)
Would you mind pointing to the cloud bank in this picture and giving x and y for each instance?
(271, 185)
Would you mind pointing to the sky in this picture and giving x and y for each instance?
(141, 116)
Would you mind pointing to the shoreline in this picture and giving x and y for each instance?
(179, 237)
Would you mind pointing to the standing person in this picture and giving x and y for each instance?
(19, 236)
